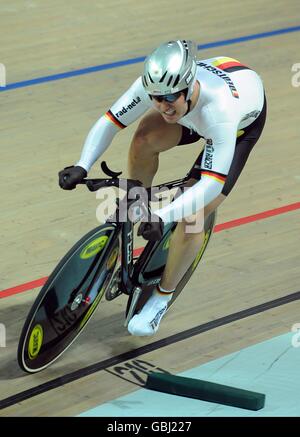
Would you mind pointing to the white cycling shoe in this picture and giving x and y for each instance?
(148, 320)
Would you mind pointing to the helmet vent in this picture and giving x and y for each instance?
(170, 80)
(145, 81)
(176, 80)
(163, 77)
(150, 78)
(186, 48)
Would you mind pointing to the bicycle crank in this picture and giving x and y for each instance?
(113, 290)
(136, 295)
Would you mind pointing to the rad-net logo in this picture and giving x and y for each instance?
(127, 108)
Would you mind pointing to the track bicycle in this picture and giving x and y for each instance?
(100, 264)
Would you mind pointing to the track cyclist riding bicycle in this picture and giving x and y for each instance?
(217, 99)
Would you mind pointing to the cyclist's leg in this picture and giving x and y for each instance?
(183, 249)
(184, 244)
(152, 136)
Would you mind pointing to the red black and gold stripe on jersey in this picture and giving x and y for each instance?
(214, 175)
(229, 65)
(111, 117)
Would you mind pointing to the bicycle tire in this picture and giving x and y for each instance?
(69, 298)
(208, 230)
(151, 263)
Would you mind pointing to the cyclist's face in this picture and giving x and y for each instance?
(171, 112)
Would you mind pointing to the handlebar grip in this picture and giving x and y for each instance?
(95, 184)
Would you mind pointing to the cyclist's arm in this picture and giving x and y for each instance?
(125, 111)
(215, 166)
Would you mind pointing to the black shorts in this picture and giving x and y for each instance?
(243, 146)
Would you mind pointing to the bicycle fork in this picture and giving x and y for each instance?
(127, 254)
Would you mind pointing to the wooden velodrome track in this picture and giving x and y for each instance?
(43, 127)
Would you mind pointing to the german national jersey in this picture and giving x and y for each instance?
(231, 98)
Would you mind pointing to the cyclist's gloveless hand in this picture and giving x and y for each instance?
(69, 177)
(152, 230)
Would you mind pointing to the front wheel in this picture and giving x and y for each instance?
(208, 230)
(151, 264)
(69, 298)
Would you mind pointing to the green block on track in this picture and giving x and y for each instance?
(206, 391)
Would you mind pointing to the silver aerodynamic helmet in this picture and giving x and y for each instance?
(171, 68)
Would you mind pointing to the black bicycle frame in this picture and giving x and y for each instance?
(128, 281)
(125, 228)
(127, 257)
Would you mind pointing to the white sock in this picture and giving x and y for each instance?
(164, 294)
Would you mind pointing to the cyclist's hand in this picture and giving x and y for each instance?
(69, 177)
(152, 231)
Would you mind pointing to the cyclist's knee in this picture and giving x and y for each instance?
(142, 141)
(194, 224)
(154, 135)
(191, 226)
(199, 217)
(212, 206)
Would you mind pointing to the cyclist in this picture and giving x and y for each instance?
(217, 99)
